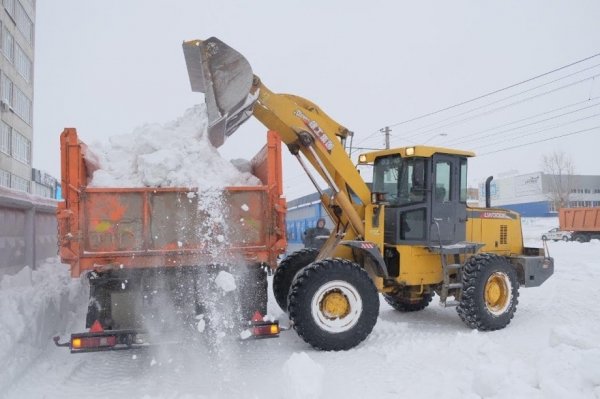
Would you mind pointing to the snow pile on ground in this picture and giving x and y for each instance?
(175, 154)
(549, 350)
(35, 305)
(303, 377)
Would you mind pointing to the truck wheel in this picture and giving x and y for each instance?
(287, 270)
(333, 304)
(544, 238)
(490, 292)
(565, 238)
(403, 304)
(581, 238)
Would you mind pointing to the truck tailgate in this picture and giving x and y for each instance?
(102, 228)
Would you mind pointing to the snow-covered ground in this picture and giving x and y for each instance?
(551, 349)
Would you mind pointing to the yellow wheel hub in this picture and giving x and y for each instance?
(497, 292)
(335, 305)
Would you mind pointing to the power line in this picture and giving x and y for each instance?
(538, 131)
(495, 91)
(453, 141)
(466, 140)
(508, 105)
(541, 141)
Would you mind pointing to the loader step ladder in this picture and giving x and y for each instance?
(452, 272)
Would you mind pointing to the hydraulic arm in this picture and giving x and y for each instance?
(233, 94)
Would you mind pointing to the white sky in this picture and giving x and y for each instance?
(107, 67)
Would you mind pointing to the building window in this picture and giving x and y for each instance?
(5, 133)
(18, 183)
(6, 88)
(597, 191)
(596, 203)
(23, 63)
(24, 24)
(587, 191)
(22, 105)
(21, 148)
(4, 178)
(8, 45)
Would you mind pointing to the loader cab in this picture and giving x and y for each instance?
(425, 194)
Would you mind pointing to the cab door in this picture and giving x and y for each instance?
(448, 200)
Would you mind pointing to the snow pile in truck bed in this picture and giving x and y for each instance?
(174, 154)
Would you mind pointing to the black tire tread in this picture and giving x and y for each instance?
(287, 270)
(470, 308)
(401, 305)
(300, 313)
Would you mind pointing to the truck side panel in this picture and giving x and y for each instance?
(109, 228)
(579, 219)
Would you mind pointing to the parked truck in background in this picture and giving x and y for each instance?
(134, 244)
(583, 223)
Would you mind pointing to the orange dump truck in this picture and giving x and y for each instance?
(142, 247)
(583, 223)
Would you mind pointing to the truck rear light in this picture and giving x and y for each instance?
(265, 330)
(93, 342)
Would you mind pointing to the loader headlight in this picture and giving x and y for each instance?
(362, 158)
(410, 151)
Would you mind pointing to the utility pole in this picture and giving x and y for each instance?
(386, 130)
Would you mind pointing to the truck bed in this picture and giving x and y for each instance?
(580, 219)
(108, 228)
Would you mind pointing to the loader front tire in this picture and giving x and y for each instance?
(287, 270)
(402, 303)
(333, 304)
(490, 292)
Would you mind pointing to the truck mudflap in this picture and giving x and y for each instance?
(533, 270)
(100, 340)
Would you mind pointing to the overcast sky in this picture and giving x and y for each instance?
(107, 67)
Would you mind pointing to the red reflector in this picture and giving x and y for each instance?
(96, 327)
(257, 316)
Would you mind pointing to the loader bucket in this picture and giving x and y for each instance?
(225, 77)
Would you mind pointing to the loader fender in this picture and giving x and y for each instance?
(371, 252)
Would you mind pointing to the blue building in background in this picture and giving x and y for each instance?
(534, 194)
(303, 213)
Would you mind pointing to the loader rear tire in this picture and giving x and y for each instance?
(490, 292)
(287, 270)
(333, 304)
(402, 304)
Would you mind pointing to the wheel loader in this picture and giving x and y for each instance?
(408, 237)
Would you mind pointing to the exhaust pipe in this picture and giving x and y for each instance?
(488, 197)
